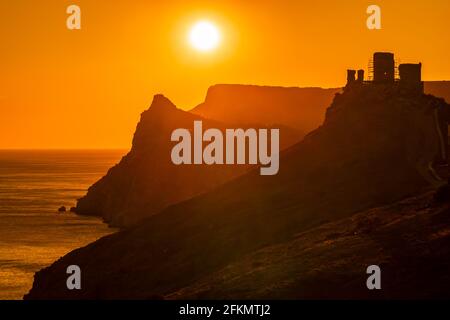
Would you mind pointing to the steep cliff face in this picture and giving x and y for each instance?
(376, 146)
(396, 109)
(299, 108)
(146, 181)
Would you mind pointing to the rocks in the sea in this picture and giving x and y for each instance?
(62, 209)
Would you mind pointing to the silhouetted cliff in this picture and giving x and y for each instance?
(376, 146)
(299, 108)
(146, 181)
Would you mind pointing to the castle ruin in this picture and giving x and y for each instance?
(405, 80)
(383, 71)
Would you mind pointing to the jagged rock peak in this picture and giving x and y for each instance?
(160, 101)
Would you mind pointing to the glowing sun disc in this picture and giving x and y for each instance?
(204, 36)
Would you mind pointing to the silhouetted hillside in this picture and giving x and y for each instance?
(376, 146)
(409, 240)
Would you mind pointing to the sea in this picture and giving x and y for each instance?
(33, 234)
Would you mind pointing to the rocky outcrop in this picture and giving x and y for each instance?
(376, 146)
(146, 181)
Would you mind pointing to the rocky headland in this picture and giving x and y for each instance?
(356, 191)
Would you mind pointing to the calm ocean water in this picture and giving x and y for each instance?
(33, 185)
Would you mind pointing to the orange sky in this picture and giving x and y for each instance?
(87, 88)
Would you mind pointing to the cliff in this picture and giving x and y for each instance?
(146, 181)
(299, 108)
(375, 147)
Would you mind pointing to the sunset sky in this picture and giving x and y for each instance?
(86, 88)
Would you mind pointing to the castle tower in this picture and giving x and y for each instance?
(383, 67)
(360, 76)
(411, 76)
(351, 76)
(410, 73)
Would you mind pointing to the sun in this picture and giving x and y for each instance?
(204, 36)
